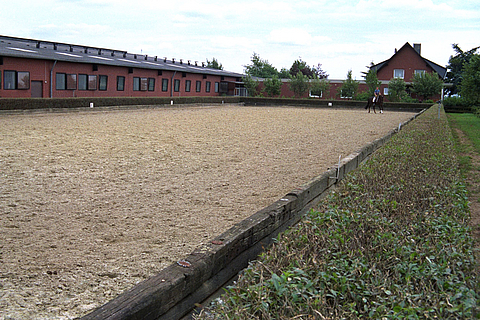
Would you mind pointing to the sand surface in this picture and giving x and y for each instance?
(93, 202)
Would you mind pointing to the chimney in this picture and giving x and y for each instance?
(418, 48)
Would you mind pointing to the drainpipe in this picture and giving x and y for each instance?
(51, 79)
(171, 84)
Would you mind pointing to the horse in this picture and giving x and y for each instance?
(371, 103)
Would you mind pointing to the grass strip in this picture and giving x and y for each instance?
(392, 242)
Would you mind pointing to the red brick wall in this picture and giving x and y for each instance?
(406, 59)
(40, 71)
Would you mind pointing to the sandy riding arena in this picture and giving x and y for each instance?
(93, 202)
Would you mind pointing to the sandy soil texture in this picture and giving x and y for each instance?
(92, 203)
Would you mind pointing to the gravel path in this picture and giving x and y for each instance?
(93, 202)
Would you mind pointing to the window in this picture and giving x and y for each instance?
(151, 84)
(143, 84)
(198, 86)
(399, 73)
(207, 86)
(419, 72)
(120, 83)
(9, 80)
(71, 81)
(65, 81)
(92, 82)
(16, 80)
(82, 82)
(188, 84)
(385, 91)
(23, 80)
(223, 87)
(314, 94)
(102, 83)
(61, 81)
(176, 86)
(136, 84)
(164, 85)
(217, 86)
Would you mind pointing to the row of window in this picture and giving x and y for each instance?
(89, 82)
(66, 81)
(400, 73)
(20, 80)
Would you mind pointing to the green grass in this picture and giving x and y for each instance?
(392, 242)
(470, 125)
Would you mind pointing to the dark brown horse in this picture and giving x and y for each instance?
(373, 104)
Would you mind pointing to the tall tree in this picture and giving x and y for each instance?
(349, 87)
(284, 74)
(272, 86)
(372, 81)
(396, 89)
(214, 64)
(311, 72)
(260, 68)
(320, 73)
(426, 84)
(301, 66)
(470, 85)
(455, 67)
(319, 87)
(299, 84)
(252, 86)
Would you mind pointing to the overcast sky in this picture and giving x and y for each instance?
(341, 35)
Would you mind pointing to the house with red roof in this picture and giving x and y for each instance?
(404, 64)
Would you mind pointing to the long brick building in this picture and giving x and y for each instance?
(35, 68)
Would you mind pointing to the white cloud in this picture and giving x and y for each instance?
(341, 35)
(290, 36)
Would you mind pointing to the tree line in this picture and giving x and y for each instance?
(463, 77)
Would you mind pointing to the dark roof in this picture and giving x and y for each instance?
(442, 71)
(55, 51)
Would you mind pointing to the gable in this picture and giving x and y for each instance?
(409, 60)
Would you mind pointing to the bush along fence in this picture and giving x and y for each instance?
(173, 292)
(393, 241)
(63, 104)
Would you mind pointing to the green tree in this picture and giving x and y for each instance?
(319, 72)
(301, 66)
(311, 72)
(426, 84)
(284, 74)
(260, 68)
(470, 85)
(272, 86)
(252, 86)
(372, 81)
(319, 87)
(214, 64)
(349, 87)
(396, 89)
(299, 84)
(455, 67)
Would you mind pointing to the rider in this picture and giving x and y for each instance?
(376, 94)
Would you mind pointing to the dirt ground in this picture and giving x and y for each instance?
(93, 202)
